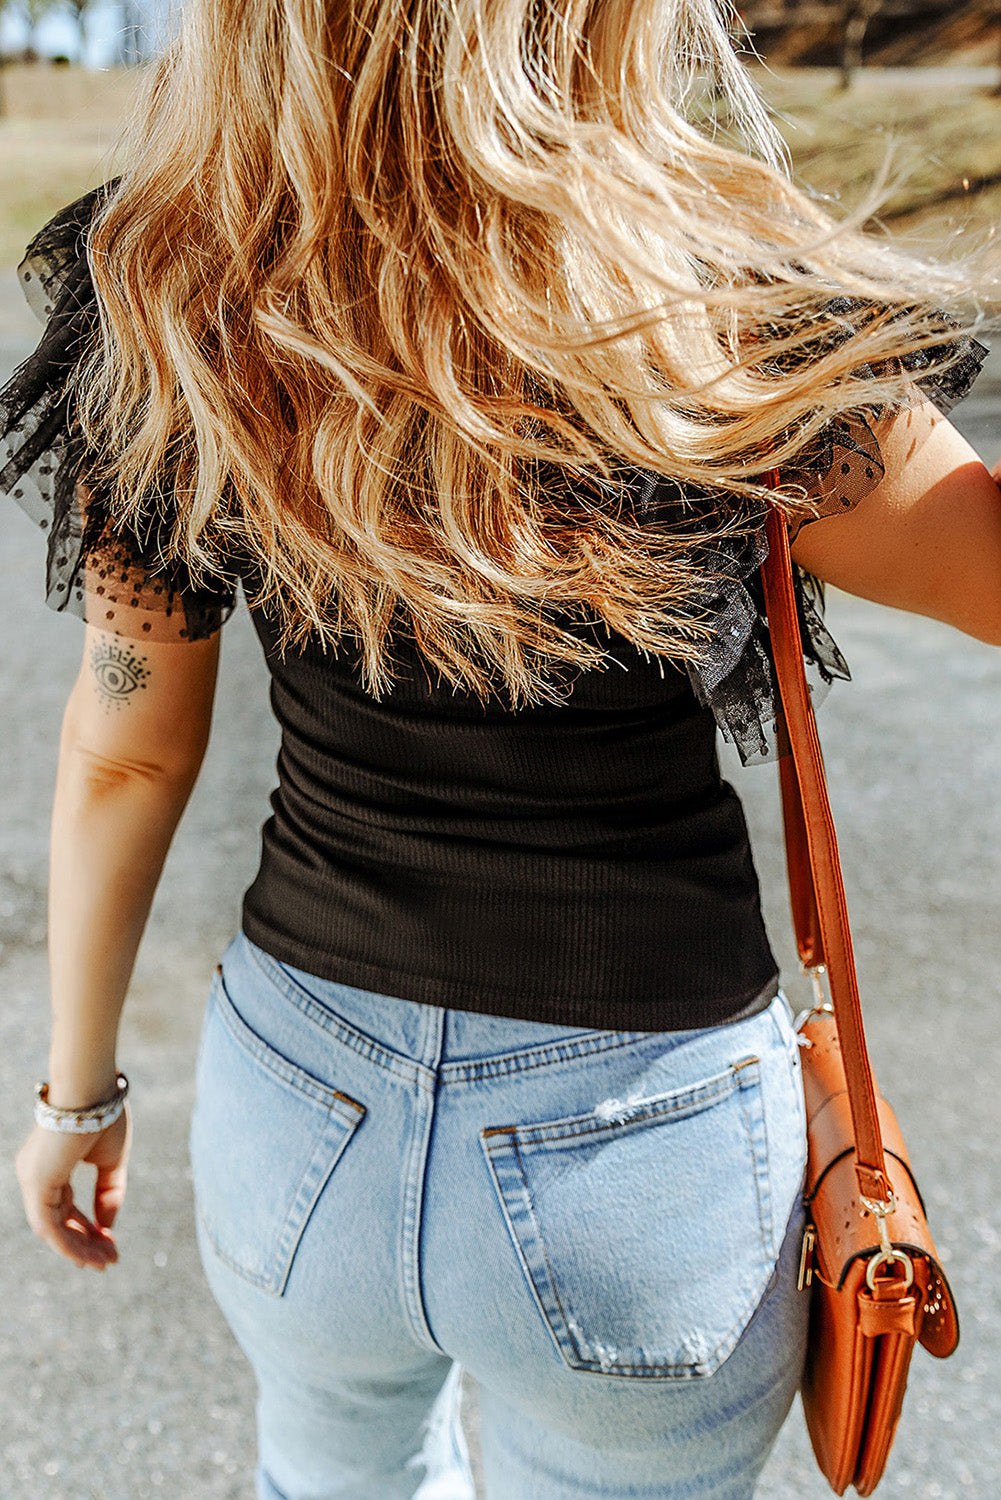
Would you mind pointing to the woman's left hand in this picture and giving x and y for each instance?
(45, 1166)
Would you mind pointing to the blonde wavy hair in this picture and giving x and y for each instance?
(374, 268)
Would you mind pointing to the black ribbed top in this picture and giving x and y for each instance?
(582, 864)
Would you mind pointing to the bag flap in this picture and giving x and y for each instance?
(846, 1233)
(842, 1266)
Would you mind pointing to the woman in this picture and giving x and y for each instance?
(463, 338)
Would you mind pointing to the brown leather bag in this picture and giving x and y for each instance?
(876, 1284)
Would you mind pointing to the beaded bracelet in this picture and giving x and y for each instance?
(80, 1121)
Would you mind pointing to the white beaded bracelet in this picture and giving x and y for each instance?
(80, 1121)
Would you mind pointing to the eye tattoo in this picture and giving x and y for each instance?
(118, 672)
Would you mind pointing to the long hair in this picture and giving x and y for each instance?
(379, 273)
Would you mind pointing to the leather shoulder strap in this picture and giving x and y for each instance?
(820, 911)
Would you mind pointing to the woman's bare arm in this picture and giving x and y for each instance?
(928, 539)
(134, 734)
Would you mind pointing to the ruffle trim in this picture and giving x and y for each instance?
(115, 579)
(736, 679)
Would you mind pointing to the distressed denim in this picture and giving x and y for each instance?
(601, 1227)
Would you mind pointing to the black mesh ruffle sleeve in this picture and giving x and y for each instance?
(104, 574)
(736, 676)
(844, 464)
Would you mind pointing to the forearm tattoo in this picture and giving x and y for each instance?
(119, 672)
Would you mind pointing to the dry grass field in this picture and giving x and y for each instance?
(55, 138)
(57, 141)
(939, 132)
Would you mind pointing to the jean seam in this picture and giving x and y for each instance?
(253, 1278)
(409, 1070)
(502, 1065)
(671, 1104)
(757, 1139)
(334, 1127)
(349, 1110)
(276, 1493)
(591, 1043)
(526, 1254)
(413, 1205)
(523, 1060)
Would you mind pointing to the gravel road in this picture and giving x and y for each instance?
(129, 1386)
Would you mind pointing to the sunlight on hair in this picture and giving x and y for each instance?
(395, 293)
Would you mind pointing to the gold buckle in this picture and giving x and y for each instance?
(806, 1258)
(887, 1254)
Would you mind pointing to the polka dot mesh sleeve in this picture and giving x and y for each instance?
(735, 676)
(115, 579)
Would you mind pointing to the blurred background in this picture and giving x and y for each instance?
(129, 1386)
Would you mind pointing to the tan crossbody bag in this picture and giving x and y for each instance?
(868, 1259)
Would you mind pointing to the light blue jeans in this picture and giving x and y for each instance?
(601, 1227)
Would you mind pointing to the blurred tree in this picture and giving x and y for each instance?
(31, 11)
(34, 11)
(4, 6)
(78, 10)
(855, 18)
(132, 37)
(993, 12)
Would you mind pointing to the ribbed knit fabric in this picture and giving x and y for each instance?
(582, 865)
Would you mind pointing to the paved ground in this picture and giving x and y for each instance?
(129, 1386)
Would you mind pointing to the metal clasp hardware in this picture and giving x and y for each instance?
(821, 1006)
(887, 1254)
(806, 1257)
(820, 1000)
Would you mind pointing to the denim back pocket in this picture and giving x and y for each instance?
(645, 1229)
(265, 1137)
